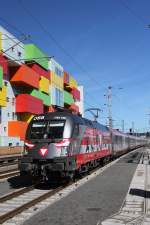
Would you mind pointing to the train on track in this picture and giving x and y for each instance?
(61, 144)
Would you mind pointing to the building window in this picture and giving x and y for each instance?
(13, 101)
(58, 71)
(8, 114)
(13, 115)
(5, 129)
(19, 54)
(7, 99)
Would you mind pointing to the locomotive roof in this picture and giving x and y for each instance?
(62, 115)
(75, 118)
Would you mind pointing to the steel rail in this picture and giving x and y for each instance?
(12, 213)
(14, 194)
(9, 174)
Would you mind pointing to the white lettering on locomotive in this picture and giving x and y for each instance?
(39, 118)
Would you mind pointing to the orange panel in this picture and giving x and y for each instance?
(74, 107)
(17, 129)
(51, 109)
(25, 75)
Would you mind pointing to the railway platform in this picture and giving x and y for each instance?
(116, 194)
(102, 199)
(135, 209)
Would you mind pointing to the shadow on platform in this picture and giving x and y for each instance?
(132, 158)
(139, 192)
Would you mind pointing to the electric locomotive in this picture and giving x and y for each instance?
(61, 144)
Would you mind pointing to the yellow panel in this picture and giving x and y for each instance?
(3, 96)
(44, 85)
(26, 117)
(73, 82)
(57, 81)
(0, 41)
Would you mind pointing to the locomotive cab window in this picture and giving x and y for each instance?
(55, 129)
(37, 129)
(47, 129)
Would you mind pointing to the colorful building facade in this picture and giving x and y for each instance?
(30, 83)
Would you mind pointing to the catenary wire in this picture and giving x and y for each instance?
(52, 38)
(20, 32)
(141, 19)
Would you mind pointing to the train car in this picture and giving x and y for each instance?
(61, 144)
(122, 142)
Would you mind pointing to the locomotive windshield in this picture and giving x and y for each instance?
(47, 129)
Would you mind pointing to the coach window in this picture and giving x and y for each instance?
(87, 144)
(97, 142)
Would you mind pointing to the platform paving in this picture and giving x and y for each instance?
(136, 206)
(95, 201)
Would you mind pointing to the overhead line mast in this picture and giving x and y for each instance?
(109, 96)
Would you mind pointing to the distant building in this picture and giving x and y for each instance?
(80, 103)
(30, 84)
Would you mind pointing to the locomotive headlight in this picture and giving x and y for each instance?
(29, 145)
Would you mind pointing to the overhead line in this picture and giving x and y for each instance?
(56, 42)
(140, 18)
(22, 33)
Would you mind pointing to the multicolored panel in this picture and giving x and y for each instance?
(73, 82)
(66, 78)
(33, 53)
(74, 108)
(17, 129)
(68, 98)
(44, 85)
(4, 64)
(40, 71)
(1, 77)
(26, 117)
(3, 93)
(26, 76)
(46, 99)
(76, 93)
(29, 104)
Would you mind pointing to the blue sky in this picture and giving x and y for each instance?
(100, 42)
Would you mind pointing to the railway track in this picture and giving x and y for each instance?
(8, 167)
(16, 202)
(14, 205)
(23, 199)
(7, 174)
(9, 159)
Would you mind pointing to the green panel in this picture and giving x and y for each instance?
(44, 97)
(31, 51)
(1, 77)
(68, 98)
